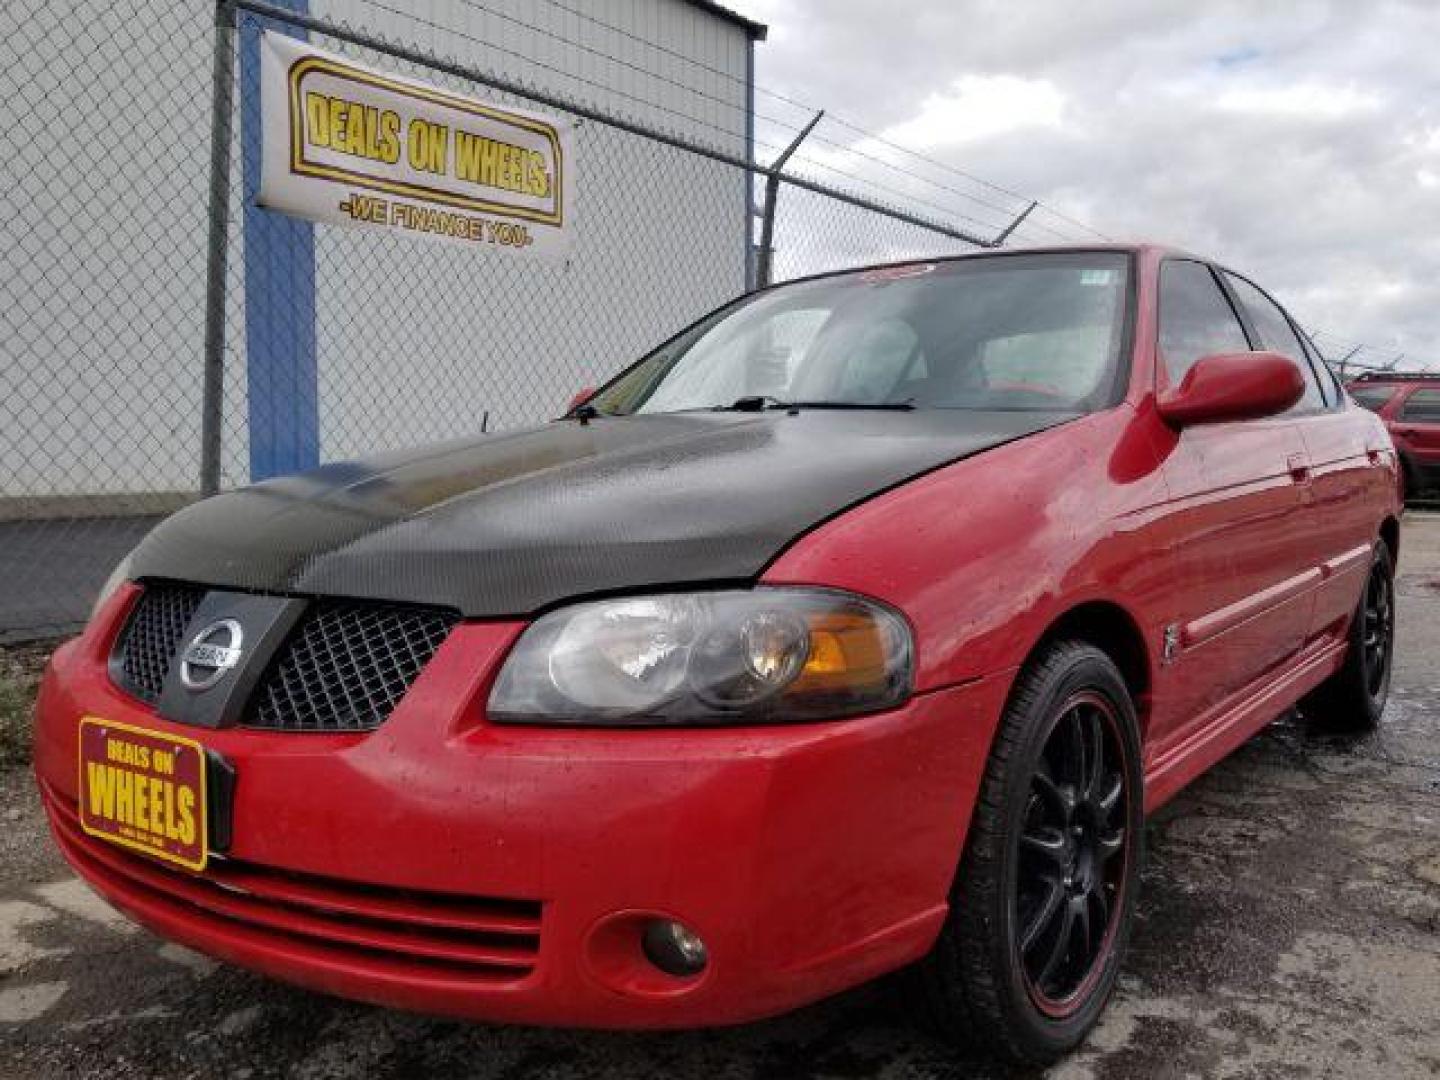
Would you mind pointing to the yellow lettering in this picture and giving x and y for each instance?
(141, 810)
(355, 130)
(158, 790)
(389, 137)
(186, 801)
(101, 789)
(428, 146)
(336, 123)
(500, 165)
(124, 796)
(317, 118)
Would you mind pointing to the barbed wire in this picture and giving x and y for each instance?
(789, 127)
(1060, 226)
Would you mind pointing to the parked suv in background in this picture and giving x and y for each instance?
(1410, 407)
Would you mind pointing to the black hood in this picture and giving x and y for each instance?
(508, 524)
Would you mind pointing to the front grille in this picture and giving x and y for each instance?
(347, 666)
(153, 635)
(379, 929)
(344, 668)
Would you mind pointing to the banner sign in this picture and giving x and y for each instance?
(353, 145)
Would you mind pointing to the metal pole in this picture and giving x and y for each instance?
(1347, 358)
(772, 193)
(212, 416)
(1005, 233)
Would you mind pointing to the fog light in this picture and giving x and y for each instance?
(674, 949)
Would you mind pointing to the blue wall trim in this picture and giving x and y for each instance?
(279, 294)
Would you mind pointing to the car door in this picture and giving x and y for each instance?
(1418, 423)
(1343, 468)
(1240, 592)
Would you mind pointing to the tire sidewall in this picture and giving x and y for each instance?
(1374, 704)
(1089, 670)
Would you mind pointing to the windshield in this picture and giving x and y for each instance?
(1037, 332)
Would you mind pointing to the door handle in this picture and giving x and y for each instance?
(1299, 468)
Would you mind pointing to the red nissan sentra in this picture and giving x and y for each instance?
(855, 628)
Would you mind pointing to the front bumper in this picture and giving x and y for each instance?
(451, 866)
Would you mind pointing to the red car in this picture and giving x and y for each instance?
(856, 628)
(1410, 407)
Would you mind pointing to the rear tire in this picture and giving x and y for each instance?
(1353, 699)
(1041, 908)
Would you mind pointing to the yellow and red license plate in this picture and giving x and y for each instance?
(143, 790)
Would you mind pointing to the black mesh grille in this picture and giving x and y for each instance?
(347, 666)
(153, 634)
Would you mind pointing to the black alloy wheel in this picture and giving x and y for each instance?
(1073, 851)
(1379, 629)
(1044, 896)
(1352, 700)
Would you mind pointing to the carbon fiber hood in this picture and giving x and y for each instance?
(508, 524)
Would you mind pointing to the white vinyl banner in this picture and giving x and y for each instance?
(354, 145)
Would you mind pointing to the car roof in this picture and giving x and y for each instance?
(1389, 381)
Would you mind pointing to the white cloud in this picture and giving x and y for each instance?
(1300, 101)
(979, 107)
(1297, 142)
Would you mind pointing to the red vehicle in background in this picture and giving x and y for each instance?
(1410, 407)
(856, 628)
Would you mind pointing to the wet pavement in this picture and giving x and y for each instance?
(1289, 925)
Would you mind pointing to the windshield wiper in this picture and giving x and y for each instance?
(763, 402)
(888, 406)
(754, 403)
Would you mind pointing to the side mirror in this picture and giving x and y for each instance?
(580, 398)
(1233, 386)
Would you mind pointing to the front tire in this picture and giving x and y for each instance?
(1353, 699)
(1042, 904)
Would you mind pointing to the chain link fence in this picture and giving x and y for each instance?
(162, 336)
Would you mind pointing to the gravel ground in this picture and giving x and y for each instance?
(1289, 925)
(20, 668)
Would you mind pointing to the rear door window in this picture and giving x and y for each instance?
(1329, 384)
(1423, 405)
(1277, 335)
(1195, 318)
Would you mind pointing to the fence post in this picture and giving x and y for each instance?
(212, 416)
(1019, 218)
(772, 192)
(1347, 358)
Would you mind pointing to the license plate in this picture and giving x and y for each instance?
(143, 790)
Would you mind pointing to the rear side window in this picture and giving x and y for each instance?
(1372, 397)
(1277, 335)
(1329, 384)
(1195, 318)
(1423, 405)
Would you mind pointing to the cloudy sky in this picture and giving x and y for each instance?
(1298, 142)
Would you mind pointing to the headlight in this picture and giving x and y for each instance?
(756, 656)
(118, 577)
